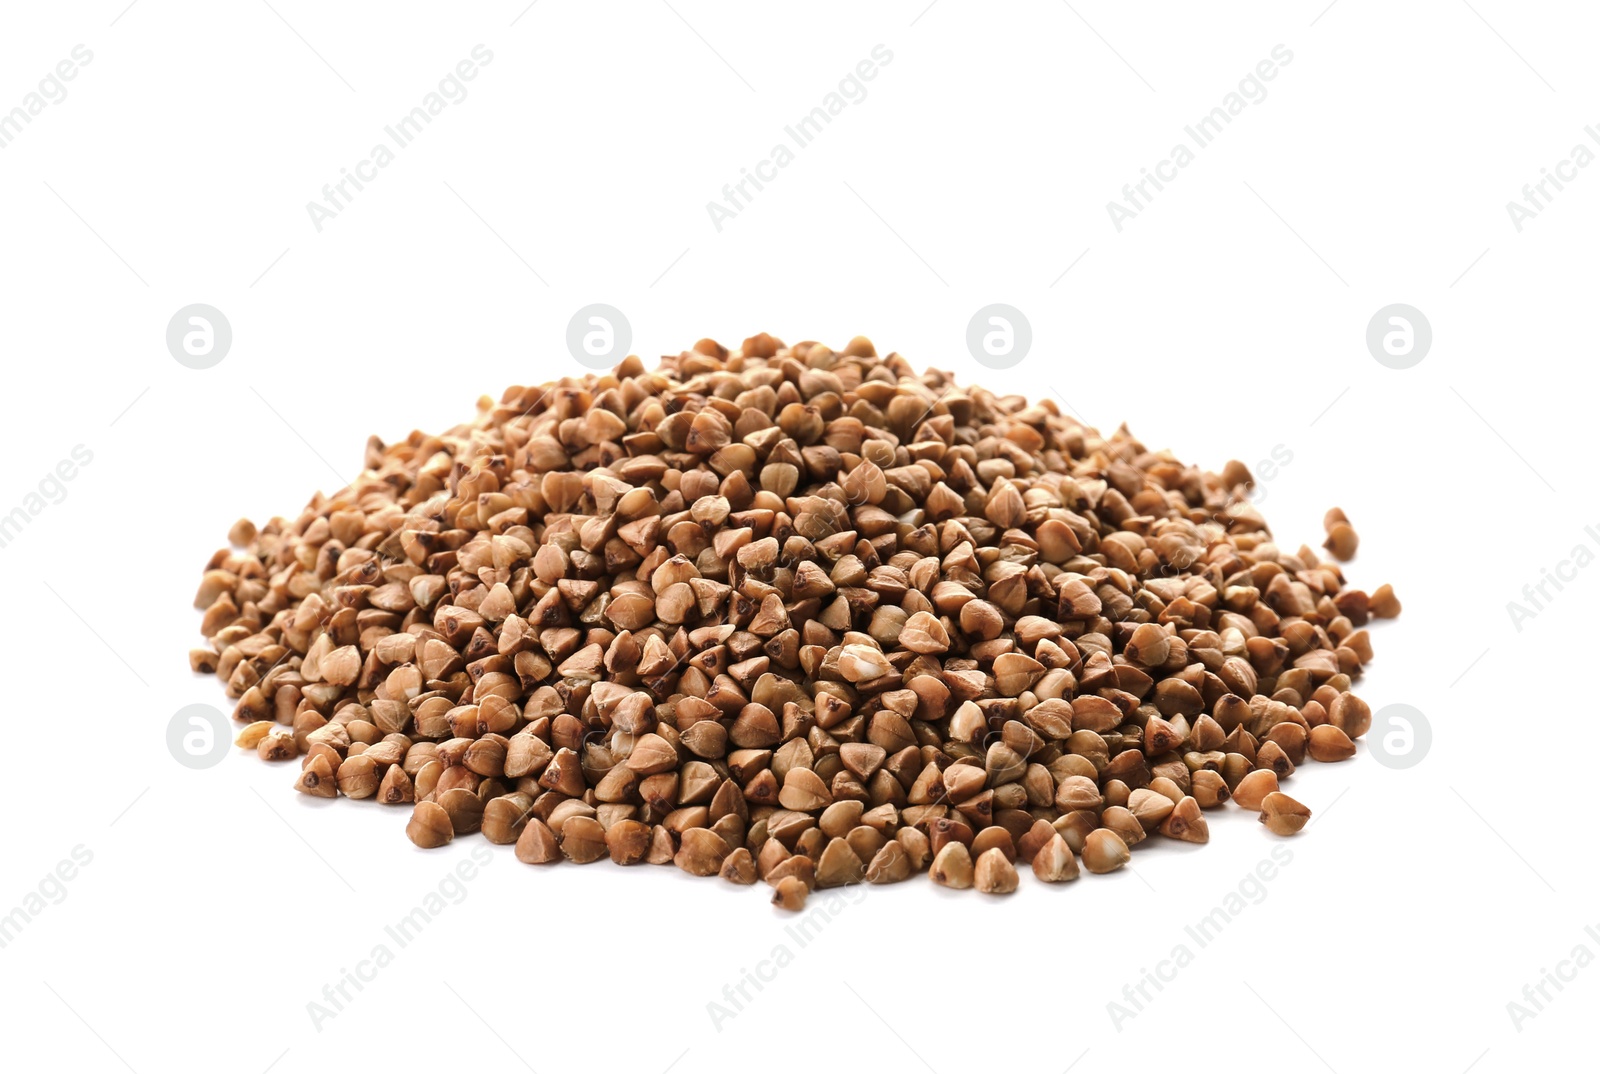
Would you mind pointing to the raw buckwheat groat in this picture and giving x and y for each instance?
(795, 614)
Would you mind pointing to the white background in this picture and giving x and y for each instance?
(1225, 320)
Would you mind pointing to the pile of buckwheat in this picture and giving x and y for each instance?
(791, 614)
